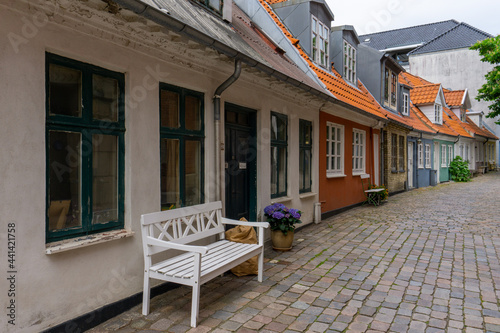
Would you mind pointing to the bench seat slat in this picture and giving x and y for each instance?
(222, 253)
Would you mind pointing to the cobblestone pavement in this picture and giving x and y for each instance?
(428, 260)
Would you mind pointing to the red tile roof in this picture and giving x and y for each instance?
(479, 131)
(333, 81)
(425, 94)
(412, 80)
(454, 97)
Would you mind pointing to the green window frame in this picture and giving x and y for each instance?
(85, 148)
(305, 156)
(182, 137)
(279, 154)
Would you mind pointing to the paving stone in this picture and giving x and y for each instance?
(408, 266)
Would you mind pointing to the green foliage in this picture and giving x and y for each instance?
(459, 170)
(489, 49)
(384, 194)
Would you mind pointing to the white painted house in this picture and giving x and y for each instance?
(107, 114)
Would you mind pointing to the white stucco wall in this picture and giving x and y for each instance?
(52, 289)
(456, 70)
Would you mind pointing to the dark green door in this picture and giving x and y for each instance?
(240, 163)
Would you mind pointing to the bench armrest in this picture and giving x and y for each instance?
(176, 246)
(251, 224)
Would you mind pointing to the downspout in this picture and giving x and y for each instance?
(382, 162)
(219, 170)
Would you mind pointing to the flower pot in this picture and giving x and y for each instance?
(282, 242)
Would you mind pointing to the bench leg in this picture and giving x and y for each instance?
(261, 266)
(195, 304)
(145, 295)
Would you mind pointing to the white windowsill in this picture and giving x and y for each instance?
(280, 200)
(307, 195)
(335, 175)
(84, 241)
(361, 174)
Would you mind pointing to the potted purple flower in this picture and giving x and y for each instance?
(282, 221)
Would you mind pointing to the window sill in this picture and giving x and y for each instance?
(361, 174)
(84, 241)
(307, 195)
(280, 200)
(335, 175)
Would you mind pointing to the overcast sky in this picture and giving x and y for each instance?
(369, 16)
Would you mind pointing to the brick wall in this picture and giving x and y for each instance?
(395, 179)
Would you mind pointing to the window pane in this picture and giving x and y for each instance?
(301, 170)
(170, 180)
(193, 106)
(65, 181)
(169, 113)
(105, 178)
(338, 148)
(65, 91)
(192, 173)
(282, 170)
(307, 169)
(278, 128)
(274, 170)
(215, 4)
(105, 98)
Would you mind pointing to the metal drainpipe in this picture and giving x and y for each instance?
(219, 170)
(382, 155)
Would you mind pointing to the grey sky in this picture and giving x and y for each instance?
(371, 16)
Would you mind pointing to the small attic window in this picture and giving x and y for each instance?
(367, 40)
(213, 5)
(349, 62)
(438, 114)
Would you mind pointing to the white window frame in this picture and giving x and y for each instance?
(443, 156)
(349, 62)
(461, 151)
(438, 114)
(321, 33)
(390, 89)
(450, 154)
(428, 156)
(420, 155)
(406, 104)
(334, 172)
(360, 157)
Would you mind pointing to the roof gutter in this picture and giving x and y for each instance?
(163, 18)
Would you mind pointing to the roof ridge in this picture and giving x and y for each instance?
(446, 32)
(412, 27)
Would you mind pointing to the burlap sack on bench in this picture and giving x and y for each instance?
(246, 235)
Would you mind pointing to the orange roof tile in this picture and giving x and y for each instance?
(419, 121)
(424, 94)
(470, 125)
(412, 80)
(454, 123)
(333, 81)
(454, 97)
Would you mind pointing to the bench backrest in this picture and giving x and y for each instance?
(182, 225)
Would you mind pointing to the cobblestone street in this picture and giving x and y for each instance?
(427, 260)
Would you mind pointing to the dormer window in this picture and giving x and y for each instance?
(406, 104)
(462, 116)
(214, 5)
(349, 62)
(320, 37)
(438, 114)
(390, 88)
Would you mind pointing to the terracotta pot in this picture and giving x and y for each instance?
(280, 241)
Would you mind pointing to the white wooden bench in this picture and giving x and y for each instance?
(174, 229)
